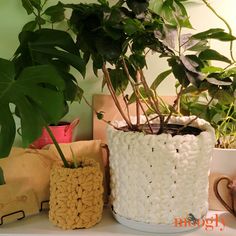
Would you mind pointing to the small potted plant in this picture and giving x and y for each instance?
(37, 84)
(222, 116)
(76, 194)
(156, 161)
(37, 92)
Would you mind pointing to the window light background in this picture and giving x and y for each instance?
(13, 17)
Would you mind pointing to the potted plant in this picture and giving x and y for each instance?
(221, 114)
(37, 93)
(157, 161)
(40, 43)
(36, 86)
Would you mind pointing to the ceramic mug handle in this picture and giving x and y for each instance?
(230, 186)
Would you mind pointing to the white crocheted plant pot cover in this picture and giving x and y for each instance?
(158, 178)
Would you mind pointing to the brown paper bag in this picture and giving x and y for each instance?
(31, 167)
(17, 201)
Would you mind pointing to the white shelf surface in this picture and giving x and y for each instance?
(39, 224)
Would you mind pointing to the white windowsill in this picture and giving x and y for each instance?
(39, 224)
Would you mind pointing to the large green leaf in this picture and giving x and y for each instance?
(210, 54)
(159, 79)
(138, 6)
(30, 26)
(119, 80)
(37, 93)
(179, 71)
(28, 6)
(68, 58)
(45, 45)
(56, 12)
(215, 33)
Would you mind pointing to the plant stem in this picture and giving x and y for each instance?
(153, 101)
(136, 94)
(226, 23)
(126, 105)
(39, 16)
(107, 122)
(196, 116)
(113, 94)
(179, 35)
(176, 104)
(137, 103)
(65, 162)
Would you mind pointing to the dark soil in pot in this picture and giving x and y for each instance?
(173, 129)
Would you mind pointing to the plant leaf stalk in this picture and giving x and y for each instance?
(107, 122)
(196, 116)
(113, 94)
(137, 103)
(175, 105)
(136, 94)
(153, 101)
(65, 162)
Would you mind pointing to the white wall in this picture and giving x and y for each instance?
(13, 17)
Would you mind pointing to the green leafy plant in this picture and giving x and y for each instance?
(222, 116)
(41, 44)
(37, 95)
(118, 38)
(37, 84)
(218, 104)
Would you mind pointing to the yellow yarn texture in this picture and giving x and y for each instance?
(76, 195)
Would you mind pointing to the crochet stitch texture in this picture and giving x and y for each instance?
(76, 195)
(156, 178)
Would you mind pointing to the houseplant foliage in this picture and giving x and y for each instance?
(119, 37)
(218, 104)
(41, 44)
(37, 105)
(42, 52)
(220, 114)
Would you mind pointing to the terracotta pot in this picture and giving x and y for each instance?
(223, 163)
(76, 195)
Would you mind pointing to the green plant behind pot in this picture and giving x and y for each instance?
(221, 114)
(37, 83)
(41, 44)
(117, 38)
(37, 94)
(217, 105)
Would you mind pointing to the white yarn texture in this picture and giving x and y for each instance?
(157, 178)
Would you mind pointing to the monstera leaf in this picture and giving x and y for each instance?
(36, 93)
